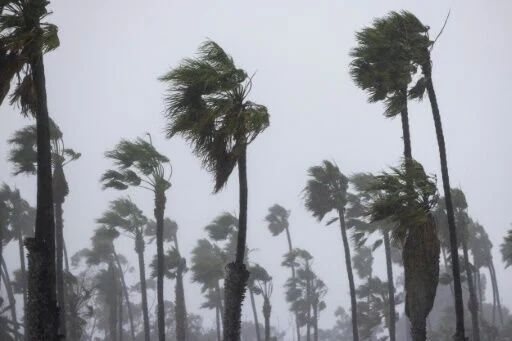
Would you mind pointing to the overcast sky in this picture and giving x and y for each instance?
(102, 86)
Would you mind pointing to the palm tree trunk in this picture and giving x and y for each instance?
(59, 228)
(346, 247)
(139, 248)
(159, 216)
(315, 322)
(126, 296)
(236, 273)
(404, 115)
(391, 288)
(120, 311)
(479, 288)
(290, 248)
(180, 307)
(21, 251)
(10, 296)
(219, 295)
(217, 320)
(42, 313)
(255, 314)
(266, 315)
(495, 285)
(308, 303)
(445, 260)
(459, 304)
(112, 318)
(473, 301)
(66, 259)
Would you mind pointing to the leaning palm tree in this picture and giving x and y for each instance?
(326, 191)
(124, 215)
(506, 249)
(25, 37)
(258, 273)
(277, 219)
(139, 164)
(207, 104)
(23, 156)
(414, 229)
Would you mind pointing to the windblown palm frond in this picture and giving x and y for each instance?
(207, 264)
(222, 226)
(125, 215)
(173, 263)
(506, 249)
(277, 219)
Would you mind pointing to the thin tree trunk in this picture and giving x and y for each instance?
(126, 296)
(404, 115)
(42, 313)
(219, 295)
(66, 259)
(290, 248)
(346, 247)
(180, 307)
(120, 311)
(21, 250)
(139, 248)
(255, 314)
(59, 268)
(236, 273)
(479, 288)
(473, 301)
(267, 309)
(10, 296)
(459, 304)
(391, 288)
(159, 216)
(217, 320)
(495, 284)
(112, 303)
(445, 259)
(308, 303)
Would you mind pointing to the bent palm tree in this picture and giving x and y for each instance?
(326, 191)
(207, 104)
(24, 38)
(126, 216)
(139, 164)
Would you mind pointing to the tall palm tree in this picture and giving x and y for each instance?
(414, 229)
(207, 104)
(326, 191)
(277, 219)
(25, 37)
(506, 249)
(258, 275)
(23, 156)
(139, 164)
(124, 215)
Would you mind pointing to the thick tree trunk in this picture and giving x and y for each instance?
(391, 288)
(236, 273)
(21, 251)
(346, 247)
(126, 296)
(43, 315)
(459, 304)
(139, 248)
(4, 272)
(180, 307)
(255, 314)
(290, 248)
(495, 286)
(473, 301)
(61, 288)
(159, 216)
(267, 309)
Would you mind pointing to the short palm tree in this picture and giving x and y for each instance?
(413, 228)
(24, 37)
(139, 164)
(125, 216)
(326, 191)
(207, 104)
(506, 249)
(23, 156)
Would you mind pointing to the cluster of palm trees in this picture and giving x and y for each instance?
(207, 103)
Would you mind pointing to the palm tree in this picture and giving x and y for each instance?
(207, 104)
(257, 275)
(405, 198)
(277, 219)
(326, 191)
(506, 249)
(24, 37)
(139, 164)
(124, 215)
(23, 155)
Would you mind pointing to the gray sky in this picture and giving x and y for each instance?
(102, 86)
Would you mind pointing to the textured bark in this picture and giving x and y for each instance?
(267, 309)
(391, 288)
(459, 304)
(473, 301)
(236, 273)
(10, 296)
(159, 216)
(21, 251)
(255, 314)
(346, 247)
(404, 115)
(139, 248)
(126, 296)
(421, 268)
(61, 288)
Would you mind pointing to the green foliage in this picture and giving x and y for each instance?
(169, 233)
(207, 104)
(362, 261)
(125, 215)
(277, 219)
(222, 227)
(326, 190)
(17, 217)
(506, 249)
(173, 263)
(207, 264)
